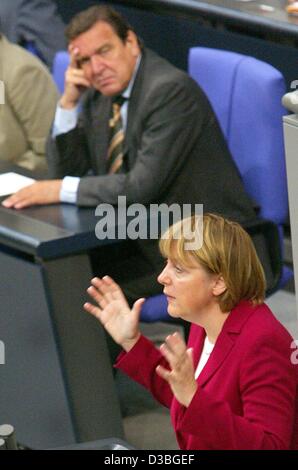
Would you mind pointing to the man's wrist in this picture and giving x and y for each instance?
(64, 103)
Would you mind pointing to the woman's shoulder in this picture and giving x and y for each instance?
(263, 325)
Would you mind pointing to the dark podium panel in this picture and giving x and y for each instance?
(56, 386)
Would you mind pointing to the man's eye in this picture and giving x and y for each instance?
(83, 61)
(104, 50)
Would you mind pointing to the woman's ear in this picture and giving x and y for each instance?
(219, 286)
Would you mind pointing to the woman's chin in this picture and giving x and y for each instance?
(173, 312)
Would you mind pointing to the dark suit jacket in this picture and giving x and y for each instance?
(35, 21)
(174, 149)
(247, 391)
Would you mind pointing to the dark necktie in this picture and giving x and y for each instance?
(115, 151)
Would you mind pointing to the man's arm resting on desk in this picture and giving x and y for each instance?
(44, 192)
(52, 191)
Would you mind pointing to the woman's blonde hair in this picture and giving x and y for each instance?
(226, 250)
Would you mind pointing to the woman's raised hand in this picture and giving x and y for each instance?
(113, 311)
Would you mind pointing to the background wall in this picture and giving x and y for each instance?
(172, 36)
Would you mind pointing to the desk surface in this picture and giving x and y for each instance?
(268, 14)
(49, 231)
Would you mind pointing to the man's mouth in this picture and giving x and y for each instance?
(103, 81)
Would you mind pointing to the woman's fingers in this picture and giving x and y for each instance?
(178, 356)
(174, 350)
(113, 288)
(137, 307)
(176, 343)
(97, 296)
(104, 285)
(110, 288)
(95, 311)
(163, 373)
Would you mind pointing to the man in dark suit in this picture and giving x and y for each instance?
(34, 22)
(173, 151)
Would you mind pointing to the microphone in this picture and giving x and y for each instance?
(290, 101)
(7, 434)
(2, 444)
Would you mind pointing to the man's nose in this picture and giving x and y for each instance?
(97, 64)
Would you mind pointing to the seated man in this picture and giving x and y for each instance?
(35, 23)
(30, 99)
(173, 150)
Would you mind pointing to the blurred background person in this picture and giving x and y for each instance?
(30, 102)
(34, 24)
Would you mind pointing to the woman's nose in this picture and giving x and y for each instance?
(163, 278)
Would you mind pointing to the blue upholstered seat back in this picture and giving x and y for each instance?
(246, 96)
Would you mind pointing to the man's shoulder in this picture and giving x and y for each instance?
(158, 75)
(157, 67)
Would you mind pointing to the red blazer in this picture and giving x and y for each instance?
(247, 394)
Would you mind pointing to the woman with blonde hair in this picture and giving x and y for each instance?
(233, 386)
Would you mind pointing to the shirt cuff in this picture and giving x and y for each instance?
(65, 120)
(69, 189)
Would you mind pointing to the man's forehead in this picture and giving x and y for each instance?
(99, 33)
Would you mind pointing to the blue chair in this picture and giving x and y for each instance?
(60, 64)
(31, 47)
(246, 96)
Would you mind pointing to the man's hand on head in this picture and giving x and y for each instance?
(75, 81)
(39, 193)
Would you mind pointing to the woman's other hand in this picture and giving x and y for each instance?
(181, 376)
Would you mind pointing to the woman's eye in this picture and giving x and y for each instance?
(178, 269)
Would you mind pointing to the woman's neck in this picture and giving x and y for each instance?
(212, 322)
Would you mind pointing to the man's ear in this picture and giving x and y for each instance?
(132, 42)
(219, 286)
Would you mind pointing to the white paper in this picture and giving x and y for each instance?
(12, 182)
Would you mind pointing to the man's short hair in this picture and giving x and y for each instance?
(84, 20)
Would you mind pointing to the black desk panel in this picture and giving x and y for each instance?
(57, 384)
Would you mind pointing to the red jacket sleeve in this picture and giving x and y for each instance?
(140, 364)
